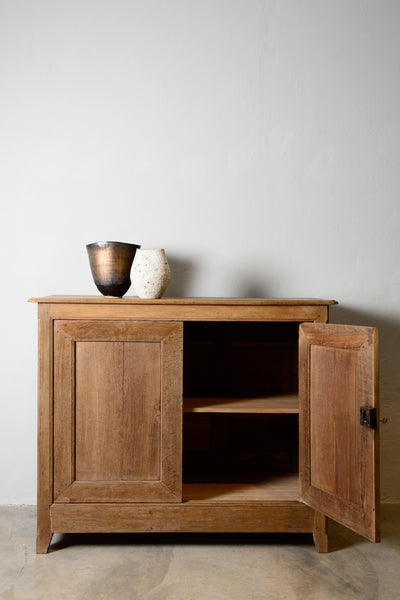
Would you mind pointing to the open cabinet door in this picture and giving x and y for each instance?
(339, 471)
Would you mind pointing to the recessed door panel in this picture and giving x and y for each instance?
(118, 406)
(334, 445)
(118, 411)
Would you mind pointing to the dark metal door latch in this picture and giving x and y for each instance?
(368, 416)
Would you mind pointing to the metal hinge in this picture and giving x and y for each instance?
(368, 416)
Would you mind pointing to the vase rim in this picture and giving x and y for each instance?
(152, 249)
(105, 244)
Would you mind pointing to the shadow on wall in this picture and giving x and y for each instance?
(182, 275)
(389, 359)
(252, 288)
(182, 272)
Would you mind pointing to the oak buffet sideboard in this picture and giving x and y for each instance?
(204, 415)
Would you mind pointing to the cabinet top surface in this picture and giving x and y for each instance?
(184, 301)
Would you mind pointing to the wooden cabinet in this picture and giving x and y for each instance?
(204, 415)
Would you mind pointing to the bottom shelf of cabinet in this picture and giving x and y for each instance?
(280, 487)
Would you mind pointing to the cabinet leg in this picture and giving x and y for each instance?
(320, 532)
(43, 542)
(44, 532)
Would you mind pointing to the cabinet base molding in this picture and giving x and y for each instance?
(290, 517)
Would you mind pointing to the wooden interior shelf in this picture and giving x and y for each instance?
(284, 487)
(276, 404)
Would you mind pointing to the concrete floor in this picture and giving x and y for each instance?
(197, 567)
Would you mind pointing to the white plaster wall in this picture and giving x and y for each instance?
(257, 141)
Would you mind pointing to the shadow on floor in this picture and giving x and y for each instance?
(64, 540)
(339, 537)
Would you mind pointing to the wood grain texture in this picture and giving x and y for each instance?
(186, 517)
(320, 532)
(188, 312)
(334, 447)
(117, 491)
(171, 402)
(93, 330)
(57, 299)
(45, 430)
(281, 403)
(338, 465)
(118, 411)
(323, 316)
(64, 410)
(276, 487)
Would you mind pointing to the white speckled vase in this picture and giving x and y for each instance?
(150, 273)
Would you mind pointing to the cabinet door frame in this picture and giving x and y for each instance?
(67, 333)
(345, 489)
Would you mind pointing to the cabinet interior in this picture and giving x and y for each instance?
(240, 422)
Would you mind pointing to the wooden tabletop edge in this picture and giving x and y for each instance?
(69, 299)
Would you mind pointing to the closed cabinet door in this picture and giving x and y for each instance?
(339, 446)
(117, 411)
